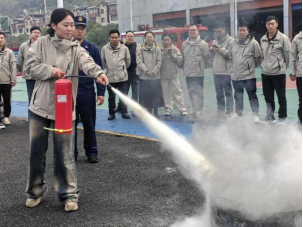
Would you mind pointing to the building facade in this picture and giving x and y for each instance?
(177, 13)
(22, 25)
(104, 14)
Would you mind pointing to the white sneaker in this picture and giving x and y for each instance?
(6, 121)
(270, 120)
(71, 206)
(2, 126)
(256, 119)
(183, 113)
(167, 112)
(234, 117)
(34, 202)
(282, 121)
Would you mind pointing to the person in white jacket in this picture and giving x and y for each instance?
(116, 59)
(275, 48)
(246, 55)
(149, 63)
(35, 33)
(171, 59)
(49, 58)
(222, 70)
(195, 53)
(8, 72)
(296, 68)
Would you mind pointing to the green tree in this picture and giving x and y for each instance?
(18, 39)
(98, 35)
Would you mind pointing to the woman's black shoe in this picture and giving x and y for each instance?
(111, 117)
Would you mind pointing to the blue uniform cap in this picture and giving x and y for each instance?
(80, 20)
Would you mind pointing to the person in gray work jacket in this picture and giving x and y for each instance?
(195, 53)
(8, 72)
(35, 33)
(246, 56)
(222, 70)
(116, 59)
(275, 48)
(171, 59)
(296, 68)
(149, 60)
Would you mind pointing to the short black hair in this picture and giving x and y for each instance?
(193, 25)
(272, 18)
(113, 31)
(2, 33)
(130, 32)
(34, 28)
(243, 24)
(219, 24)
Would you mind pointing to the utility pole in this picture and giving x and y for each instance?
(60, 3)
(286, 17)
(131, 15)
(45, 6)
(236, 17)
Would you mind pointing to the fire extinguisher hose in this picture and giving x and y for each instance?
(58, 130)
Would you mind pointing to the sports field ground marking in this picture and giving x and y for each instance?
(125, 135)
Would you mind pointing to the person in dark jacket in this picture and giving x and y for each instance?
(86, 98)
(133, 78)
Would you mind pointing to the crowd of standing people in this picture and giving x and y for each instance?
(150, 70)
(234, 64)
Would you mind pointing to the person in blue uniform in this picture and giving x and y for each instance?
(86, 98)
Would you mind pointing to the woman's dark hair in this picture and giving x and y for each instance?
(166, 35)
(149, 32)
(57, 16)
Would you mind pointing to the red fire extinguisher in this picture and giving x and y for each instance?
(64, 106)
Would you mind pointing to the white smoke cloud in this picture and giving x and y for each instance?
(258, 168)
(255, 169)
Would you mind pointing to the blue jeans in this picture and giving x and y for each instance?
(65, 177)
(30, 85)
(251, 89)
(224, 91)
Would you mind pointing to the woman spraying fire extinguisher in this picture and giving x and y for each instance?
(49, 58)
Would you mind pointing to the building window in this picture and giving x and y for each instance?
(102, 11)
(184, 36)
(27, 30)
(173, 37)
(102, 20)
(20, 30)
(114, 17)
(15, 31)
